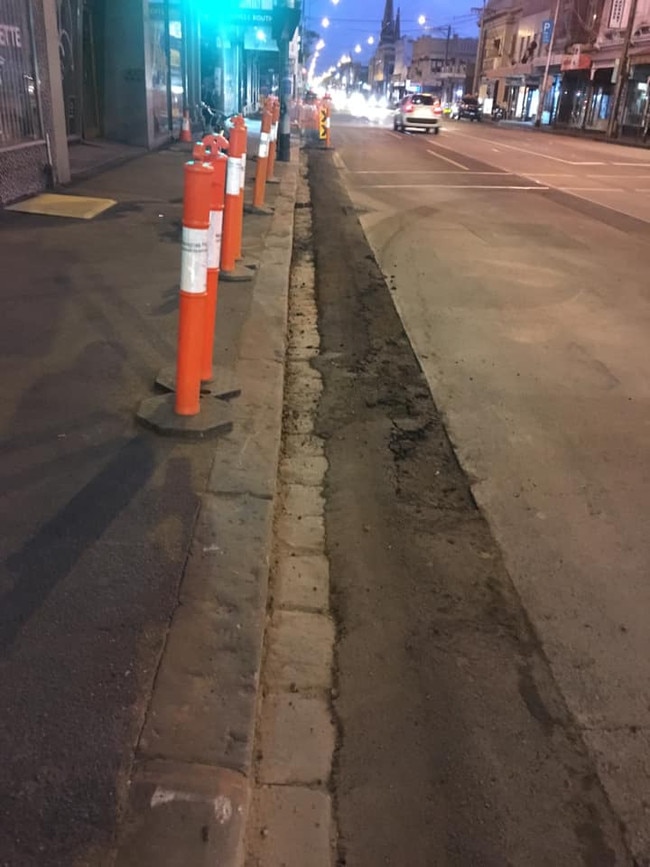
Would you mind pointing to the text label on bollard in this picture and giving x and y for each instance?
(233, 177)
(194, 250)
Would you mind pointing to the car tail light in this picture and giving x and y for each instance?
(437, 110)
(408, 108)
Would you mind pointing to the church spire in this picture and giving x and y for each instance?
(398, 31)
(387, 24)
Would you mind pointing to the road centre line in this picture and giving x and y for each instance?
(592, 190)
(531, 152)
(622, 177)
(429, 172)
(448, 160)
(451, 187)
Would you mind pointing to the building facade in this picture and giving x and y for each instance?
(83, 70)
(514, 48)
(585, 53)
(443, 66)
(74, 72)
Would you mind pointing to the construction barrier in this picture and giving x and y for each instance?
(199, 176)
(326, 114)
(215, 144)
(261, 168)
(313, 118)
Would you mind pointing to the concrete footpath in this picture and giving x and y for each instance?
(133, 584)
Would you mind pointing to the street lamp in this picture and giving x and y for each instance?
(320, 45)
(325, 22)
(422, 20)
(371, 40)
(357, 49)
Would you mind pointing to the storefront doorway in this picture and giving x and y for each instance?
(80, 27)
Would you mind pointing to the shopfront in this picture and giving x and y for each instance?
(25, 166)
(575, 96)
(20, 120)
(636, 109)
(163, 52)
(601, 96)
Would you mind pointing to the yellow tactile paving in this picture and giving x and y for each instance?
(56, 205)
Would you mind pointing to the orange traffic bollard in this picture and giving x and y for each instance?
(186, 130)
(233, 206)
(240, 223)
(181, 412)
(193, 295)
(262, 160)
(328, 124)
(219, 161)
(270, 169)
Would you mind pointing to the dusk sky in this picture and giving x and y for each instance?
(353, 21)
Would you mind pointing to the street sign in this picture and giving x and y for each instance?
(322, 126)
(547, 31)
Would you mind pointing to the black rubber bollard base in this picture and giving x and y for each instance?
(263, 211)
(157, 414)
(239, 274)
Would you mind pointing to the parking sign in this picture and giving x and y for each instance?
(547, 31)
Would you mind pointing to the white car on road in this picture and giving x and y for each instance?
(421, 111)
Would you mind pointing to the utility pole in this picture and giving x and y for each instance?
(551, 45)
(445, 93)
(613, 125)
(481, 47)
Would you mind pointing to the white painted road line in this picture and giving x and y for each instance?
(448, 160)
(622, 177)
(430, 172)
(592, 189)
(450, 187)
(531, 152)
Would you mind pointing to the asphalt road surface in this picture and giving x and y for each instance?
(494, 683)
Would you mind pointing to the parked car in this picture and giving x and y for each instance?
(469, 107)
(421, 111)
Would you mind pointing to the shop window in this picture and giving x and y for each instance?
(19, 120)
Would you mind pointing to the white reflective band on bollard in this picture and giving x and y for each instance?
(264, 145)
(194, 260)
(214, 239)
(233, 176)
(327, 122)
(243, 170)
(274, 132)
